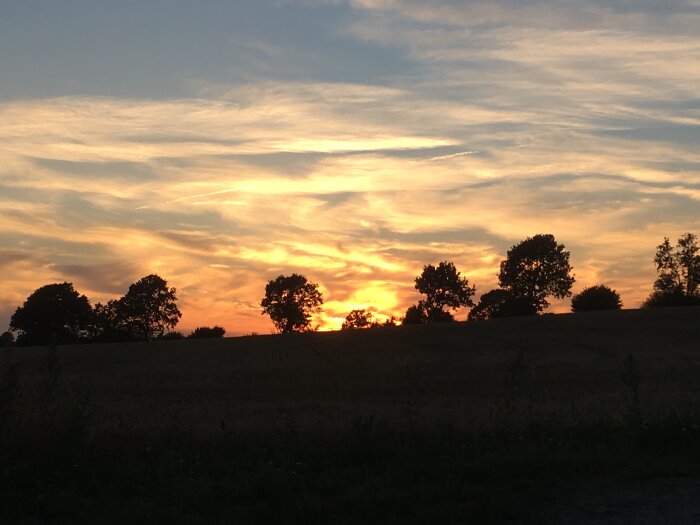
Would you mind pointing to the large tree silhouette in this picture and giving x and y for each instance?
(535, 269)
(148, 308)
(444, 289)
(678, 268)
(52, 311)
(290, 301)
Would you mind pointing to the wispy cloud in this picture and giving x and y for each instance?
(513, 118)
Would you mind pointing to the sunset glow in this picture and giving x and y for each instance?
(353, 144)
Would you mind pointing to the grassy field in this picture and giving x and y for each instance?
(499, 421)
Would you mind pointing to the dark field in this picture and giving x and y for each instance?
(501, 421)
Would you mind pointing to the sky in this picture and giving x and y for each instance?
(220, 144)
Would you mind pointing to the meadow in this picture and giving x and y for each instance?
(496, 421)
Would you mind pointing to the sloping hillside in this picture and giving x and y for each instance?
(462, 362)
(502, 421)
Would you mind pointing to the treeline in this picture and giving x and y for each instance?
(58, 314)
(534, 270)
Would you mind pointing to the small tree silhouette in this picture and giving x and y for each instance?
(290, 301)
(391, 321)
(598, 297)
(443, 288)
(357, 319)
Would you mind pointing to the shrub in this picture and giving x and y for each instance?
(171, 336)
(598, 297)
(6, 339)
(206, 332)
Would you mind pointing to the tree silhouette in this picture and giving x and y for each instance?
(54, 310)
(357, 319)
(290, 301)
(148, 308)
(206, 332)
(678, 268)
(110, 323)
(598, 297)
(443, 288)
(500, 303)
(535, 269)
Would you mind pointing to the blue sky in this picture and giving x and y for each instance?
(220, 144)
(167, 49)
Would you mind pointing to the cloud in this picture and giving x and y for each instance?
(575, 118)
(113, 277)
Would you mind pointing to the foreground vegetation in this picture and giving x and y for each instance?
(464, 422)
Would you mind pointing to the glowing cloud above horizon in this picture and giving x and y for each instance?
(359, 143)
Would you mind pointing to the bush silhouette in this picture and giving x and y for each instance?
(500, 303)
(53, 313)
(598, 297)
(444, 288)
(7, 339)
(171, 336)
(206, 332)
(357, 319)
(659, 299)
(535, 269)
(290, 301)
(415, 314)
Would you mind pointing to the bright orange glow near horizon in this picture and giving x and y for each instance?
(437, 131)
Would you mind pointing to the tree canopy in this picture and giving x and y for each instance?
(444, 289)
(290, 301)
(599, 297)
(535, 269)
(148, 308)
(109, 323)
(678, 269)
(55, 310)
